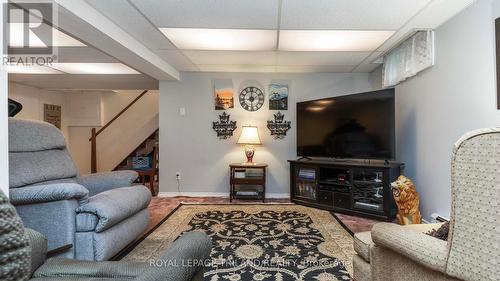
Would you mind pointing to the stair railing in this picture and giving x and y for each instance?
(94, 133)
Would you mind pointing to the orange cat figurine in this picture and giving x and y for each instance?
(407, 199)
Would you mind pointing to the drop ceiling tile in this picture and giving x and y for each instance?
(231, 57)
(177, 59)
(211, 14)
(348, 14)
(435, 14)
(236, 68)
(131, 20)
(313, 68)
(321, 58)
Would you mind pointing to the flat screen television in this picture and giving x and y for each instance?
(359, 126)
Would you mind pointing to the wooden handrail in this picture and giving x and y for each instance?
(93, 152)
(120, 113)
(94, 133)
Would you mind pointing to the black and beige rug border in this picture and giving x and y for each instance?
(334, 241)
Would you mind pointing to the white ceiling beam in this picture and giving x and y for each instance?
(83, 21)
(86, 81)
(83, 55)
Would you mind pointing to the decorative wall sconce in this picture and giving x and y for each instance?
(278, 126)
(224, 127)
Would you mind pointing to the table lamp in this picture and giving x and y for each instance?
(249, 137)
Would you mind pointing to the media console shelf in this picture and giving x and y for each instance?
(354, 188)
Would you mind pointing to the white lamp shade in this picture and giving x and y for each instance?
(249, 135)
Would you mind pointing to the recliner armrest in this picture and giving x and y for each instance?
(48, 193)
(99, 182)
(116, 205)
(419, 247)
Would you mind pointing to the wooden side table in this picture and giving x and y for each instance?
(247, 178)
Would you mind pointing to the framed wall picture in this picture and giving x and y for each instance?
(223, 94)
(52, 114)
(278, 96)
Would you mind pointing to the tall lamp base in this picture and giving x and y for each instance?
(249, 153)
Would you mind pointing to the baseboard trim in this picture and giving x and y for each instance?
(216, 194)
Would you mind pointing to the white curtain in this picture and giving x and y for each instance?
(410, 57)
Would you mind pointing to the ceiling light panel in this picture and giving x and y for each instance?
(34, 69)
(94, 68)
(221, 39)
(332, 40)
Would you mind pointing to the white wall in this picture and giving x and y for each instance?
(458, 94)
(189, 145)
(4, 146)
(33, 100)
(86, 113)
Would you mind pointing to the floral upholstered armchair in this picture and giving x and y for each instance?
(472, 252)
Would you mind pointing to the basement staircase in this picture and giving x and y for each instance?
(146, 149)
(132, 132)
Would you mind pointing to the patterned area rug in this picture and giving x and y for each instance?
(260, 242)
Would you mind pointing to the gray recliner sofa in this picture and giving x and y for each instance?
(23, 256)
(99, 214)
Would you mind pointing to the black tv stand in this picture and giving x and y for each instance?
(351, 187)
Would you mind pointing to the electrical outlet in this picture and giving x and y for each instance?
(178, 175)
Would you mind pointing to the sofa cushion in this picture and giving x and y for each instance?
(26, 168)
(30, 135)
(114, 206)
(362, 242)
(14, 244)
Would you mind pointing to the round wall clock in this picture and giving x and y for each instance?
(251, 98)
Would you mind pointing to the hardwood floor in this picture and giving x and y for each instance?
(160, 207)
